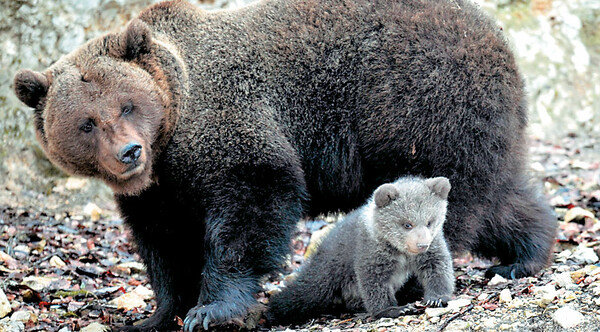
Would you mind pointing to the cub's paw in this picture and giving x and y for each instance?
(215, 313)
(511, 271)
(396, 311)
(436, 301)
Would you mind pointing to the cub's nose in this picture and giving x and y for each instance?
(130, 153)
(422, 247)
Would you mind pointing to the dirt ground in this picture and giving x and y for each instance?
(66, 263)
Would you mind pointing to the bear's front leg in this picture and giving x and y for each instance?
(435, 272)
(375, 275)
(250, 218)
(154, 220)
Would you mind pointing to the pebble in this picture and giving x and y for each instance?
(548, 294)
(496, 280)
(578, 214)
(567, 318)
(483, 296)
(95, 327)
(563, 279)
(55, 261)
(505, 296)
(11, 326)
(128, 301)
(93, 211)
(144, 292)
(584, 255)
(455, 305)
(37, 283)
(24, 316)
(435, 312)
(75, 183)
(5, 307)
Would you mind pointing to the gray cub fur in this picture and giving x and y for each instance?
(370, 254)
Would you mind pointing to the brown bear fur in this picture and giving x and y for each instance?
(246, 120)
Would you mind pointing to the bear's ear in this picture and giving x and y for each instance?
(137, 39)
(385, 194)
(440, 186)
(30, 87)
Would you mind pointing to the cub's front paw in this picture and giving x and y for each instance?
(215, 313)
(436, 301)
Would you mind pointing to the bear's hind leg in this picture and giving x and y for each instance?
(524, 238)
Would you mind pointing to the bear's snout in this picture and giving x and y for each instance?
(130, 153)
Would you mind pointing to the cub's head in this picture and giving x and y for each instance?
(99, 111)
(410, 212)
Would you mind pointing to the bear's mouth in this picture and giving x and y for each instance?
(133, 170)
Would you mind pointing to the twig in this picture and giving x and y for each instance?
(466, 309)
(455, 316)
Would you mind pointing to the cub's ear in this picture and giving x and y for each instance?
(137, 39)
(30, 87)
(439, 186)
(385, 194)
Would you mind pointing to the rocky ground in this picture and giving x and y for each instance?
(66, 263)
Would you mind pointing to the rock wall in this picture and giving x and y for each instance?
(557, 43)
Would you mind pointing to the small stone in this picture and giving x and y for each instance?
(483, 296)
(93, 211)
(5, 307)
(584, 255)
(515, 303)
(496, 280)
(435, 312)
(548, 294)
(11, 326)
(75, 183)
(578, 214)
(128, 301)
(435, 319)
(563, 279)
(24, 316)
(505, 296)
(144, 292)
(37, 283)
(569, 296)
(134, 266)
(55, 261)
(505, 326)
(567, 318)
(455, 305)
(95, 327)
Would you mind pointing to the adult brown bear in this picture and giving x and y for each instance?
(219, 130)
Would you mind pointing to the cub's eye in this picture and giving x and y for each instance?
(127, 108)
(408, 225)
(88, 126)
(429, 223)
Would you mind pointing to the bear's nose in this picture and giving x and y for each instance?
(130, 153)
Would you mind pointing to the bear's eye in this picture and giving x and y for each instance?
(408, 225)
(88, 126)
(430, 222)
(127, 108)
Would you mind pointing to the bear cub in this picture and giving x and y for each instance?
(372, 252)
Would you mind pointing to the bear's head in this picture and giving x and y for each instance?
(410, 213)
(99, 111)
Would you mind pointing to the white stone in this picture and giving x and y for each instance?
(496, 280)
(455, 305)
(584, 255)
(55, 261)
(95, 327)
(5, 307)
(563, 279)
(505, 296)
(435, 312)
(567, 318)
